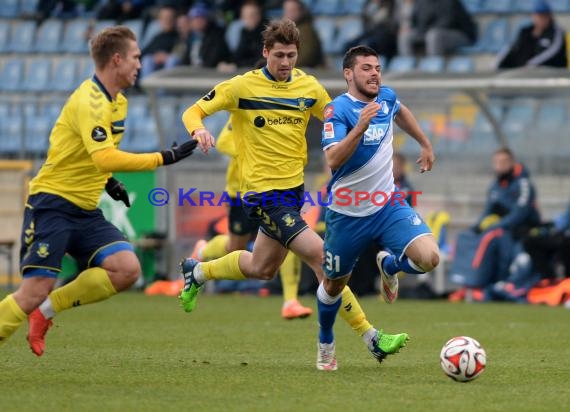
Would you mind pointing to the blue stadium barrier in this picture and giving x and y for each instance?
(496, 35)
(560, 5)
(28, 7)
(326, 30)
(4, 36)
(473, 6)
(38, 76)
(11, 132)
(460, 64)
(36, 135)
(86, 69)
(12, 74)
(497, 6)
(402, 64)
(352, 7)
(48, 36)
(552, 115)
(64, 77)
(431, 64)
(22, 37)
(52, 109)
(75, 37)
(518, 118)
(151, 30)
(327, 7)
(483, 139)
(523, 6)
(233, 34)
(28, 107)
(10, 8)
(136, 25)
(350, 28)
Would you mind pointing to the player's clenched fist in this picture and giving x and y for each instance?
(204, 138)
(367, 114)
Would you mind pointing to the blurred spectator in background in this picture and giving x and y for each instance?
(380, 22)
(541, 43)
(510, 213)
(204, 45)
(548, 247)
(400, 179)
(157, 52)
(438, 28)
(310, 51)
(121, 10)
(61, 8)
(250, 42)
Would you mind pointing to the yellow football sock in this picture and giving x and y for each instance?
(352, 313)
(226, 267)
(215, 248)
(290, 276)
(11, 317)
(92, 285)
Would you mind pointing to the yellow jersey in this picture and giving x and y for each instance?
(89, 121)
(270, 119)
(226, 144)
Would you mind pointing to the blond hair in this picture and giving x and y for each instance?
(108, 42)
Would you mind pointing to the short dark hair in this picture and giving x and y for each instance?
(505, 150)
(280, 31)
(352, 53)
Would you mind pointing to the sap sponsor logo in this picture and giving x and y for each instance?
(375, 133)
(285, 120)
(328, 131)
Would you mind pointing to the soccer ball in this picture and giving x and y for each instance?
(463, 358)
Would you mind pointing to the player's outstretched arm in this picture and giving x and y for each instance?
(114, 160)
(192, 119)
(406, 120)
(177, 153)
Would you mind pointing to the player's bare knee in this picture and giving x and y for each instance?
(266, 273)
(429, 261)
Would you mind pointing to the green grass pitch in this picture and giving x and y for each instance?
(235, 353)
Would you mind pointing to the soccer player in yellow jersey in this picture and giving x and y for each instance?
(270, 109)
(61, 214)
(241, 230)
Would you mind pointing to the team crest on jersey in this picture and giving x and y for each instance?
(415, 220)
(289, 220)
(99, 134)
(43, 250)
(375, 134)
(384, 107)
(328, 129)
(329, 111)
(302, 104)
(210, 95)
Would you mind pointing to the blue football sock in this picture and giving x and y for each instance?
(390, 265)
(407, 266)
(328, 307)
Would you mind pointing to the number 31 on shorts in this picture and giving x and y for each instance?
(332, 262)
